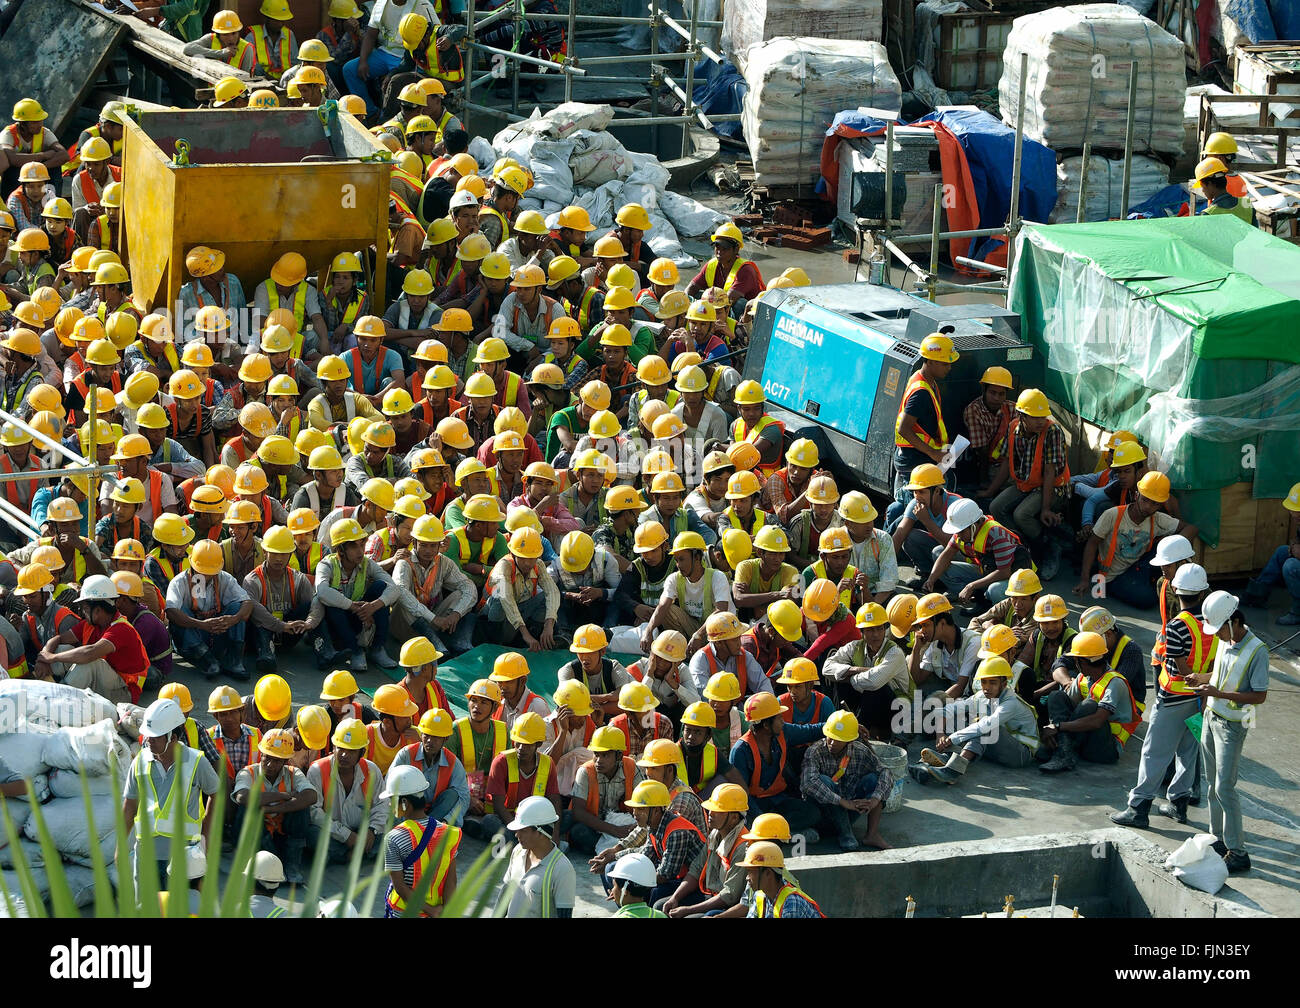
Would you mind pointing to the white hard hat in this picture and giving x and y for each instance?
(196, 862)
(97, 588)
(267, 868)
(463, 198)
(404, 781)
(1172, 549)
(162, 717)
(1190, 578)
(635, 868)
(1217, 610)
(534, 810)
(962, 515)
(336, 908)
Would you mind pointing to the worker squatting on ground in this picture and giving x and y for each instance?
(542, 443)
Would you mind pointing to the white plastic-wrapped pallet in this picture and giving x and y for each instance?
(796, 86)
(1105, 186)
(750, 22)
(1078, 73)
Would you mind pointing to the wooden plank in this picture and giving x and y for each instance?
(54, 51)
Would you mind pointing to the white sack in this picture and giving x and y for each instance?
(65, 818)
(94, 750)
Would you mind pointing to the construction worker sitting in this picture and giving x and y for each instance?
(1212, 180)
(520, 598)
(284, 599)
(1035, 459)
(446, 795)
(777, 637)
(524, 770)
(208, 609)
(992, 551)
(704, 763)
(871, 550)
(1122, 654)
(27, 201)
(1188, 651)
(357, 596)
(994, 722)
(715, 879)
(761, 756)
(287, 288)
(1124, 537)
(774, 894)
(1045, 644)
(1094, 712)
(736, 276)
(285, 800)
(987, 419)
(27, 140)
(417, 846)
(601, 788)
(337, 404)
(845, 780)
(164, 806)
(801, 703)
(1016, 611)
(668, 839)
(587, 577)
(725, 652)
(603, 677)
(100, 650)
(633, 879)
(476, 741)
(393, 728)
(273, 41)
(690, 595)
(225, 43)
(638, 720)
(828, 621)
(944, 657)
(348, 810)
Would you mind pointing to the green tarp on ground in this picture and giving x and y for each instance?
(1185, 330)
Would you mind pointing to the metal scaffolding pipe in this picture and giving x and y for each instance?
(1083, 184)
(499, 113)
(1013, 215)
(43, 440)
(1128, 139)
(45, 474)
(18, 521)
(469, 66)
(946, 235)
(691, 111)
(568, 68)
(634, 58)
(673, 120)
(889, 175)
(570, 44)
(906, 260)
(693, 43)
(980, 264)
(609, 19)
(685, 33)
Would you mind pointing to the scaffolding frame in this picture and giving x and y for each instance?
(571, 65)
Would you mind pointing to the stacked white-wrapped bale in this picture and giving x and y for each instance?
(1147, 176)
(796, 86)
(57, 737)
(1078, 79)
(750, 22)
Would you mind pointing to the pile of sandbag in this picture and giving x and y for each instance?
(796, 86)
(750, 22)
(1078, 73)
(57, 737)
(1147, 177)
(576, 163)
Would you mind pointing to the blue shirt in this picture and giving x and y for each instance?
(390, 361)
(41, 506)
(795, 735)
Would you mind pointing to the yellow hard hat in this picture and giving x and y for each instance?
(749, 393)
(722, 686)
(332, 368)
(339, 685)
(224, 698)
(57, 209)
(206, 558)
(483, 507)
(314, 726)
(626, 498)
(228, 89)
(178, 692)
(256, 367)
(436, 723)
(531, 275)
(798, 670)
(609, 247)
(925, 476)
(737, 546)
(65, 323)
(649, 537)
(1033, 403)
(821, 600)
(929, 607)
(49, 557)
(1208, 168)
(996, 375)
(841, 726)
(172, 530)
(575, 217)
(32, 578)
(408, 506)
(276, 10)
(25, 342)
(496, 266)
(346, 530)
(634, 215)
(277, 743)
(44, 397)
(835, 539)
(1220, 143)
(128, 583)
(730, 232)
(742, 484)
(872, 614)
(660, 752)
(786, 619)
(618, 298)
(264, 98)
(856, 506)
(574, 695)
(128, 491)
(772, 539)
(607, 738)
(1024, 583)
(277, 539)
(411, 30)
(102, 353)
(653, 370)
(761, 706)
(1127, 453)
(350, 734)
(1154, 486)
(1050, 607)
(526, 542)
(938, 347)
(394, 701)
(379, 492)
(620, 277)
(722, 626)
(242, 512)
(28, 110)
(700, 714)
(428, 528)
(272, 697)
(509, 666)
(997, 640)
(1096, 619)
(560, 269)
(208, 319)
(649, 794)
(769, 826)
(994, 667)
(491, 350)
(380, 434)
(284, 385)
(530, 222)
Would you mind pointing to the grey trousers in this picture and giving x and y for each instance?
(1221, 744)
(1098, 746)
(1006, 751)
(1168, 738)
(1019, 511)
(960, 573)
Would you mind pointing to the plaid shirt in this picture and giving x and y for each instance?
(1053, 453)
(981, 424)
(795, 906)
(612, 541)
(677, 852)
(862, 761)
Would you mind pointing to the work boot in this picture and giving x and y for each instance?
(381, 657)
(212, 668)
(1237, 862)
(1064, 758)
(1291, 617)
(943, 774)
(1051, 550)
(358, 660)
(920, 773)
(1175, 810)
(1256, 594)
(266, 656)
(1220, 848)
(239, 668)
(293, 861)
(932, 758)
(1133, 815)
(323, 650)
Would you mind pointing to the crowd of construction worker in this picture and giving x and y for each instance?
(539, 438)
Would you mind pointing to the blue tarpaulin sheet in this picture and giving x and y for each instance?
(721, 93)
(1266, 20)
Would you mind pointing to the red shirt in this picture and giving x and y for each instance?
(835, 636)
(128, 658)
(496, 783)
(532, 452)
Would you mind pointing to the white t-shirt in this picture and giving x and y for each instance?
(387, 15)
(694, 601)
(1132, 541)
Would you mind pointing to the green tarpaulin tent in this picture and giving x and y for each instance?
(1185, 330)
